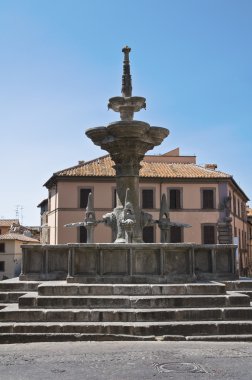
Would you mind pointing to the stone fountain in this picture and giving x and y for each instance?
(128, 259)
(127, 141)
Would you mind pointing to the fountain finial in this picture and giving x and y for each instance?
(126, 77)
(126, 104)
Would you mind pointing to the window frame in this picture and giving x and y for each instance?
(180, 189)
(153, 197)
(153, 232)
(2, 250)
(3, 263)
(113, 197)
(79, 234)
(202, 189)
(234, 205)
(91, 188)
(181, 234)
(203, 225)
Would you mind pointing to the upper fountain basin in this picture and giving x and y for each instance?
(118, 102)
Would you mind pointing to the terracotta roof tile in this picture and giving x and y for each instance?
(20, 237)
(8, 222)
(102, 167)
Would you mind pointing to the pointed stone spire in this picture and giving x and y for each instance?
(126, 77)
(90, 203)
(127, 197)
(126, 104)
(164, 209)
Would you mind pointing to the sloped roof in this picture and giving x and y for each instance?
(20, 237)
(152, 167)
(102, 167)
(8, 222)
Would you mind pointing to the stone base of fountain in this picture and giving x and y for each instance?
(129, 263)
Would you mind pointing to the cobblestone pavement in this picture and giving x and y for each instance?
(126, 360)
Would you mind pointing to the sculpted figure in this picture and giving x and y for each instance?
(128, 221)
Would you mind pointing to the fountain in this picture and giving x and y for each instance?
(128, 259)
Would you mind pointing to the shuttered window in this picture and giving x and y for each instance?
(2, 266)
(175, 199)
(208, 199)
(84, 197)
(82, 234)
(176, 234)
(114, 198)
(147, 198)
(209, 234)
(148, 234)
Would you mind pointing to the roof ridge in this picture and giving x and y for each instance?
(81, 164)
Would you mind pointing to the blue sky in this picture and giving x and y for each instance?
(61, 60)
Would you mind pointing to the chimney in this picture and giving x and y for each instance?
(211, 166)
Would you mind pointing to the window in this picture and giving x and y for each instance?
(2, 266)
(244, 242)
(175, 199)
(113, 198)
(235, 232)
(234, 205)
(82, 234)
(84, 193)
(2, 247)
(176, 234)
(147, 198)
(209, 234)
(148, 234)
(238, 207)
(208, 199)
(243, 210)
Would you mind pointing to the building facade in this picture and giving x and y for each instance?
(5, 225)
(11, 253)
(209, 200)
(249, 240)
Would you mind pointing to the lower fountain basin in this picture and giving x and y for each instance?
(129, 263)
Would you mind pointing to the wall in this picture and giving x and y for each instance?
(66, 202)
(12, 258)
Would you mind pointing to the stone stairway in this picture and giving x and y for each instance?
(240, 286)
(60, 311)
(11, 290)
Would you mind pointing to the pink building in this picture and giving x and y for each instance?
(201, 196)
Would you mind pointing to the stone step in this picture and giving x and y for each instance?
(246, 292)
(157, 329)
(137, 302)
(219, 338)
(10, 297)
(13, 314)
(57, 288)
(14, 284)
(239, 285)
(62, 337)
